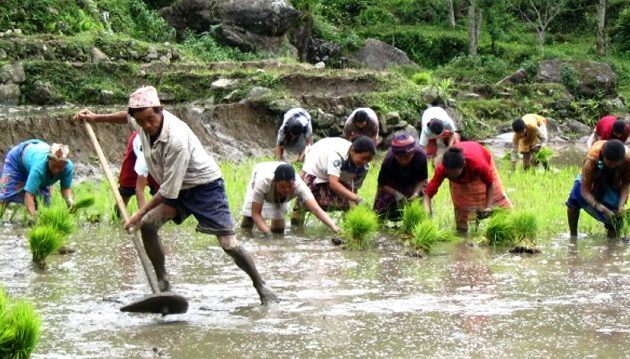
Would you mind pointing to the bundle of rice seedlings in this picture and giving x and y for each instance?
(412, 214)
(19, 330)
(544, 155)
(426, 234)
(525, 226)
(500, 230)
(84, 202)
(56, 217)
(43, 241)
(359, 225)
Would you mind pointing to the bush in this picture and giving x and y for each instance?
(481, 69)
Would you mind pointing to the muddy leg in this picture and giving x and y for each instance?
(245, 261)
(573, 216)
(149, 227)
(461, 221)
(527, 161)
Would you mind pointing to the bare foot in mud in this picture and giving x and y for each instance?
(266, 295)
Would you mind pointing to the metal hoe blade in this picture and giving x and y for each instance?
(160, 303)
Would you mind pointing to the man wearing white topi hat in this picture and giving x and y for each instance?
(190, 181)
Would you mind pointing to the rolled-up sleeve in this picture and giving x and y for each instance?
(176, 160)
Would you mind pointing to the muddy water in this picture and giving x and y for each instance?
(570, 301)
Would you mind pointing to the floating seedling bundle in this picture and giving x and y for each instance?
(43, 241)
(359, 226)
(511, 229)
(48, 235)
(19, 328)
(58, 218)
(426, 234)
(412, 214)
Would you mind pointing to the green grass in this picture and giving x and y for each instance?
(413, 213)
(57, 217)
(359, 226)
(43, 241)
(19, 328)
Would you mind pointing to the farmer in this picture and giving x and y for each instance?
(272, 186)
(402, 177)
(474, 182)
(362, 122)
(609, 127)
(190, 184)
(435, 125)
(295, 134)
(134, 173)
(530, 134)
(30, 168)
(602, 188)
(334, 170)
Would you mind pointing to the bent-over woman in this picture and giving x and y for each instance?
(473, 180)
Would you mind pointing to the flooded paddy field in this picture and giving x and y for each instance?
(571, 300)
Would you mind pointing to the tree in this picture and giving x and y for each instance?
(539, 14)
(451, 13)
(601, 28)
(474, 27)
(498, 19)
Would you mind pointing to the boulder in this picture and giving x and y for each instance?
(12, 73)
(242, 22)
(593, 78)
(224, 84)
(106, 97)
(42, 93)
(322, 51)
(10, 94)
(98, 56)
(249, 41)
(378, 55)
(257, 92)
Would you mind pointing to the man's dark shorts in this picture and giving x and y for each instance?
(131, 191)
(209, 204)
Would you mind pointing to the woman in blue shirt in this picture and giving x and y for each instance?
(30, 168)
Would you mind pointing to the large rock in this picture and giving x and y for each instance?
(9, 94)
(42, 93)
(12, 73)
(322, 51)
(377, 55)
(593, 78)
(249, 24)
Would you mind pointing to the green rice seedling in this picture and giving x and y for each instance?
(412, 214)
(3, 301)
(56, 217)
(359, 225)
(544, 155)
(500, 230)
(19, 330)
(43, 241)
(525, 226)
(426, 234)
(84, 202)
